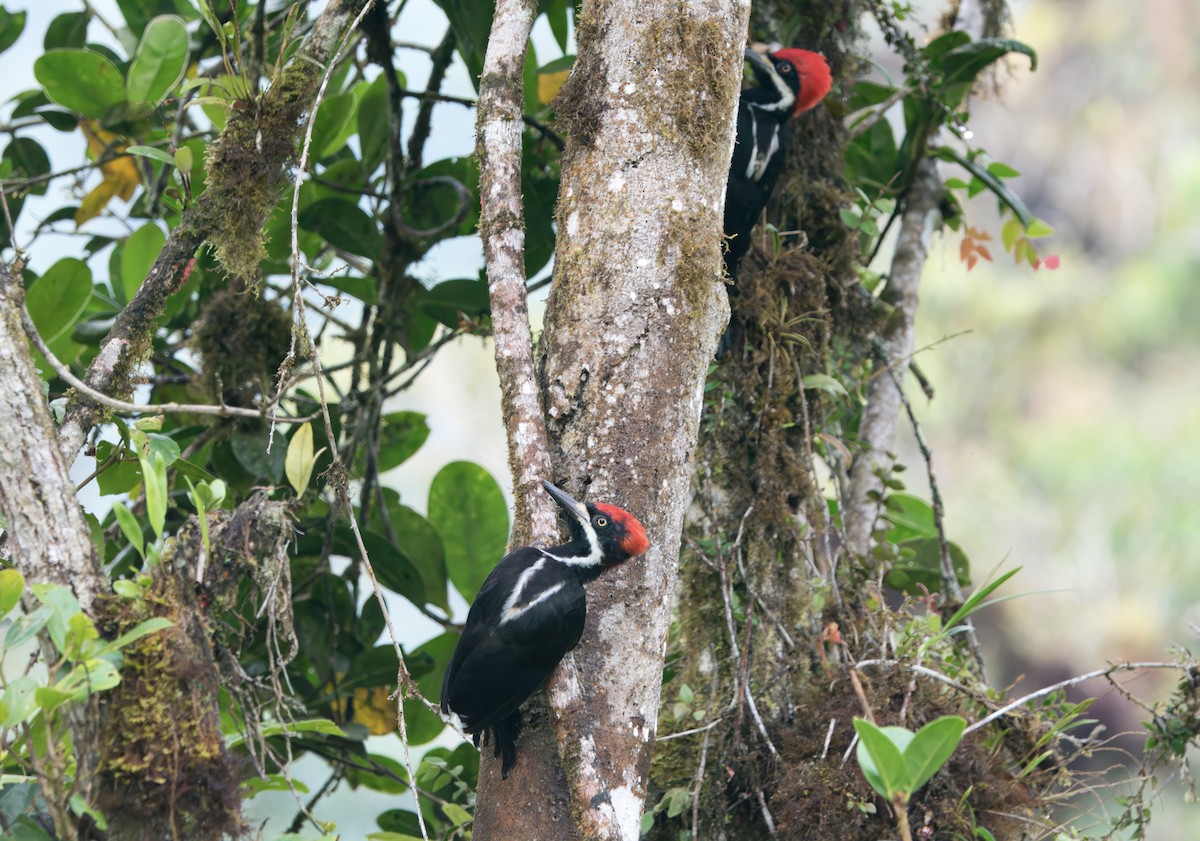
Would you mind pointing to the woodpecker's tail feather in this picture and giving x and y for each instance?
(506, 731)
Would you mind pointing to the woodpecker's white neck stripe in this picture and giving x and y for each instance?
(786, 97)
(595, 551)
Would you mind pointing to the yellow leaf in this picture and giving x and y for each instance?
(121, 176)
(549, 83)
(373, 710)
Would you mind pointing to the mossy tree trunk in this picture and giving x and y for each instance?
(634, 316)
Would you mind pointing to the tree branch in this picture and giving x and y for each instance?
(48, 539)
(502, 227)
(129, 339)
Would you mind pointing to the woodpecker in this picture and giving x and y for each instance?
(529, 613)
(789, 82)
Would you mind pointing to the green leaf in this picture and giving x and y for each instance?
(467, 508)
(371, 119)
(278, 728)
(84, 82)
(882, 759)
(11, 26)
(12, 583)
(19, 700)
(130, 528)
(1009, 232)
(990, 181)
(142, 629)
(826, 383)
(342, 225)
(301, 458)
(1038, 228)
(471, 21)
(456, 814)
(329, 133)
(28, 159)
(401, 434)
(421, 544)
(137, 257)
(160, 61)
(1002, 170)
(152, 152)
(250, 448)
(154, 479)
(66, 30)
(450, 300)
(59, 297)
(392, 567)
(920, 562)
(930, 747)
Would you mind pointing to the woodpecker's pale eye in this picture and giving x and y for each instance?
(785, 68)
(601, 521)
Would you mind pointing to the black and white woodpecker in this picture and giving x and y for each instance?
(789, 82)
(529, 613)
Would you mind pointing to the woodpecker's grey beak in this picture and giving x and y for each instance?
(567, 502)
(759, 61)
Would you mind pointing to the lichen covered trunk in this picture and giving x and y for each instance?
(634, 316)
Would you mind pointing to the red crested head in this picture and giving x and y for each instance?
(629, 533)
(813, 72)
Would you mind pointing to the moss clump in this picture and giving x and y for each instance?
(240, 339)
(163, 768)
(576, 105)
(248, 166)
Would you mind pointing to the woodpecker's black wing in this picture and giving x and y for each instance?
(527, 616)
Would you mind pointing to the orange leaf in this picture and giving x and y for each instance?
(971, 261)
(964, 250)
(984, 253)
(549, 83)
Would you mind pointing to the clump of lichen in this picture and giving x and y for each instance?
(241, 338)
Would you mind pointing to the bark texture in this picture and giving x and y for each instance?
(633, 320)
(48, 538)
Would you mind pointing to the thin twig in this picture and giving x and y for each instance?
(1066, 684)
(103, 399)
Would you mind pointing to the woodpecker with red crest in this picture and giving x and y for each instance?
(789, 82)
(529, 613)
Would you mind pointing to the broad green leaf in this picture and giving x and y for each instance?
(278, 728)
(401, 434)
(882, 759)
(329, 133)
(467, 508)
(930, 747)
(920, 562)
(419, 541)
(12, 583)
(130, 528)
(1002, 170)
(62, 605)
(18, 700)
(81, 807)
(471, 21)
(250, 448)
(450, 300)
(160, 61)
(301, 458)
(84, 82)
(185, 159)
(371, 119)
(67, 30)
(392, 567)
(58, 298)
(138, 256)
(161, 155)
(910, 516)
(456, 814)
(11, 26)
(27, 159)
(826, 383)
(26, 627)
(343, 226)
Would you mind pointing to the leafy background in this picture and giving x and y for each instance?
(1066, 419)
